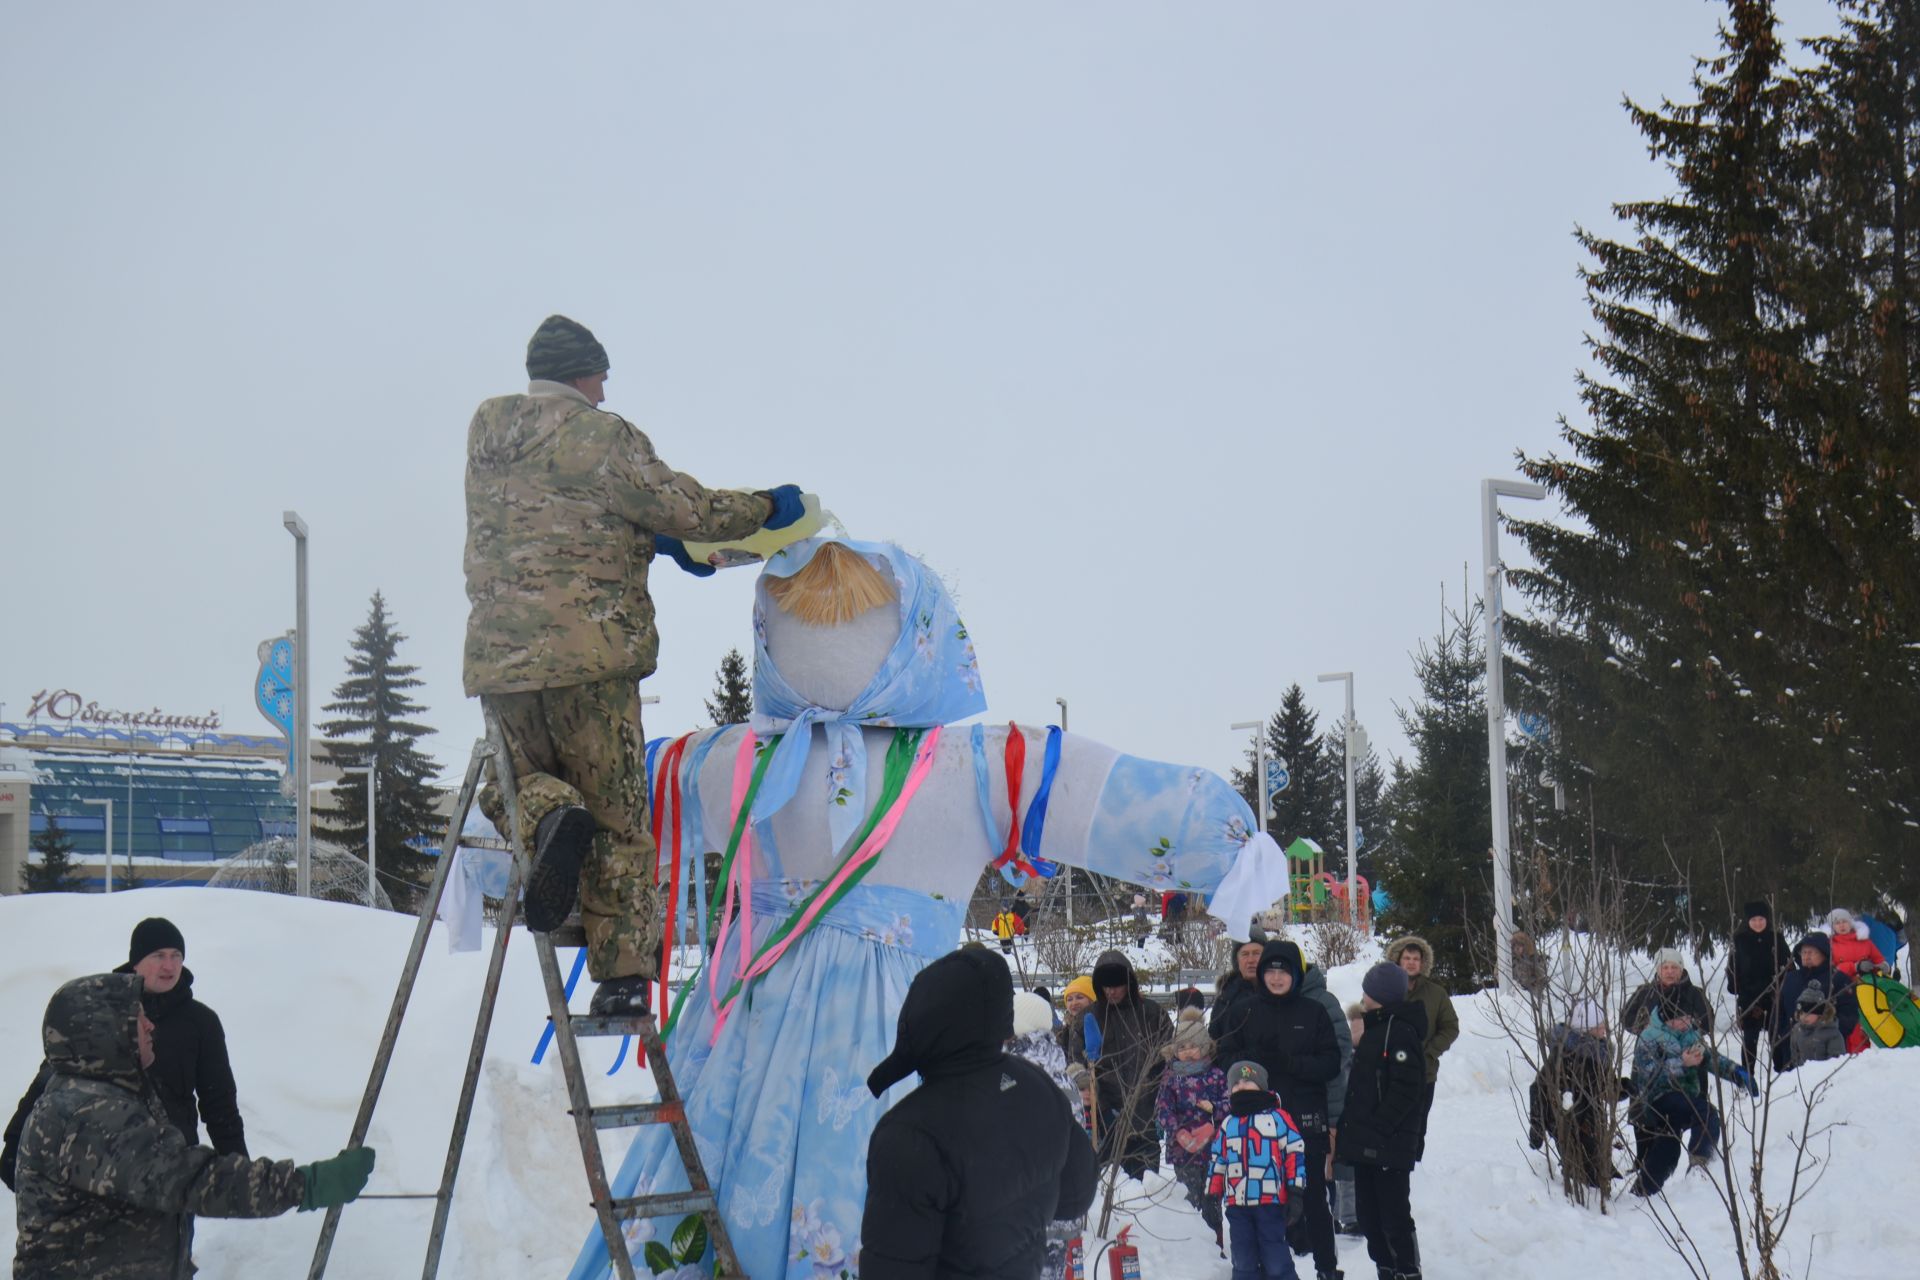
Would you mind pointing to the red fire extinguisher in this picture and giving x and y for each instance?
(1124, 1258)
(1076, 1260)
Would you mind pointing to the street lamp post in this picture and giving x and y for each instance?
(1353, 852)
(302, 711)
(106, 842)
(1491, 491)
(373, 799)
(1067, 871)
(1259, 768)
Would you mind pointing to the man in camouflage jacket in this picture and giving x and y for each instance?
(566, 507)
(105, 1179)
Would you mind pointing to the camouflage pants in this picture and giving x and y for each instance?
(583, 745)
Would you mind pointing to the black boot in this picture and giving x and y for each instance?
(560, 844)
(621, 997)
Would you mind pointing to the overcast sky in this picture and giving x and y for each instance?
(1175, 336)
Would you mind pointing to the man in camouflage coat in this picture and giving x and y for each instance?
(566, 507)
(105, 1179)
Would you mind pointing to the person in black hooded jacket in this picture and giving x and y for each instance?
(190, 1075)
(1133, 1029)
(1760, 959)
(964, 1174)
(1290, 1035)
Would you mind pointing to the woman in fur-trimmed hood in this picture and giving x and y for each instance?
(1415, 955)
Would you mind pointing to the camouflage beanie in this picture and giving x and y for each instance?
(562, 350)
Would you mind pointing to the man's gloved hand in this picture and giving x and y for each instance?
(1296, 1206)
(665, 546)
(336, 1181)
(787, 506)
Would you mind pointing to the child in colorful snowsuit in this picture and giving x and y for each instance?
(1816, 1028)
(1670, 1066)
(1259, 1167)
(1191, 1104)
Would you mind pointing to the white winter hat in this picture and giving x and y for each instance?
(1839, 914)
(1669, 956)
(1031, 1013)
(1586, 1015)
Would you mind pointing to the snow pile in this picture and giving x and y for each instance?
(303, 988)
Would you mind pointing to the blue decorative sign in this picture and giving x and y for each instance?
(273, 687)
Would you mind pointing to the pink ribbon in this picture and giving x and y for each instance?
(869, 849)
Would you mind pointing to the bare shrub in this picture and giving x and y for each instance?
(1334, 943)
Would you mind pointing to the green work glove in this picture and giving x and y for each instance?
(336, 1181)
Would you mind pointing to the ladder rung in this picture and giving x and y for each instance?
(398, 1195)
(619, 1024)
(662, 1206)
(487, 842)
(627, 1115)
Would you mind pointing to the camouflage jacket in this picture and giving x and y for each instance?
(105, 1179)
(563, 502)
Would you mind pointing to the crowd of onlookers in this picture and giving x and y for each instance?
(1289, 1120)
(1793, 1005)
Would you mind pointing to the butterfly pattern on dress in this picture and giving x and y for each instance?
(839, 1106)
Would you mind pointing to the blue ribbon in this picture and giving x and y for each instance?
(546, 1036)
(1030, 834)
(1037, 811)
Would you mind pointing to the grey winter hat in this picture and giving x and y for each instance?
(1247, 1072)
(1668, 955)
(562, 350)
(1386, 983)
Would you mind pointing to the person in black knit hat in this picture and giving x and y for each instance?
(190, 1071)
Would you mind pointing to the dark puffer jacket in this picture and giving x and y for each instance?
(1290, 1036)
(1835, 986)
(105, 1178)
(1385, 1120)
(190, 1066)
(1759, 961)
(965, 1173)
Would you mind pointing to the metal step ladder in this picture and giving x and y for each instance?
(490, 756)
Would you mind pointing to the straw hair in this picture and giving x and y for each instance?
(836, 586)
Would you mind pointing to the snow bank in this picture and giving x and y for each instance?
(303, 988)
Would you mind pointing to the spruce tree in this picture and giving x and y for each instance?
(1673, 648)
(54, 873)
(1855, 477)
(1435, 865)
(732, 700)
(1311, 804)
(374, 724)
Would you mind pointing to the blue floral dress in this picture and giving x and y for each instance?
(782, 1130)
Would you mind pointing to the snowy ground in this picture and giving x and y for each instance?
(303, 988)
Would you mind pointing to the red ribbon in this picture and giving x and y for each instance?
(1016, 754)
(666, 782)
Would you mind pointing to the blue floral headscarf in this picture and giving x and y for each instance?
(930, 677)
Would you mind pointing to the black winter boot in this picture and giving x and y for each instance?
(560, 844)
(621, 997)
